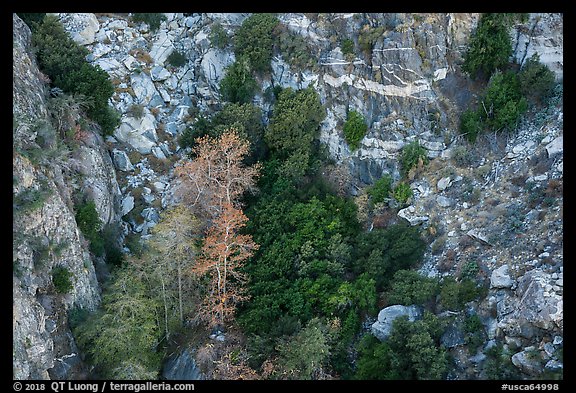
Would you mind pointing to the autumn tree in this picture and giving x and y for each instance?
(224, 252)
(217, 176)
(212, 184)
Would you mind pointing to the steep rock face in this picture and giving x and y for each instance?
(409, 86)
(45, 232)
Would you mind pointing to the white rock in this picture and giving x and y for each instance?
(557, 340)
(213, 65)
(541, 178)
(500, 278)
(555, 147)
(451, 233)
(465, 205)
(408, 214)
(121, 160)
(127, 204)
(161, 48)
(82, 27)
(159, 73)
(383, 326)
(444, 183)
(443, 201)
(143, 87)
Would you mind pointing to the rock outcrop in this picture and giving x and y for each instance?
(45, 232)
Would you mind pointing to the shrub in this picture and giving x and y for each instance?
(238, 85)
(354, 129)
(368, 37)
(176, 59)
(136, 111)
(294, 48)
(409, 287)
(63, 60)
(504, 100)
(89, 223)
(454, 295)
(31, 199)
(347, 46)
(218, 36)
(413, 155)
(61, 279)
(471, 125)
(254, 41)
(536, 80)
(402, 193)
(490, 46)
(151, 19)
(381, 188)
(32, 19)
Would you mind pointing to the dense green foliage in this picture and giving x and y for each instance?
(409, 287)
(151, 19)
(354, 129)
(413, 155)
(61, 279)
(218, 36)
(176, 59)
(245, 118)
(254, 41)
(238, 85)
(536, 80)
(295, 50)
(455, 294)
(89, 223)
(124, 331)
(505, 101)
(381, 189)
(501, 108)
(294, 129)
(506, 97)
(63, 60)
(347, 46)
(382, 252)
(411, 352)
(32, 19)
(490, 46)
(402, 192)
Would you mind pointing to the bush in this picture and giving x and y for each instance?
(238, 85)
(454, 295)
(504, 101)
(381, 188)
(32, 19)
(402, 193)
(63, 60)
(471, 124)
(347, 46)
(176, 59)
(151, 19)
(536, 80)
(61, 279)
(409, 287)
(294, 49)
(218, 36)
(490, 46)
(89, 223)
(254, 41)
(413, 156)
(354, 129)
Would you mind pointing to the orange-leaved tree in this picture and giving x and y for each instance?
(223, 253)
(217, 175)
(212, 184)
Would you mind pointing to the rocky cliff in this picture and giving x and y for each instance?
(45, 235)
(486, 205)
